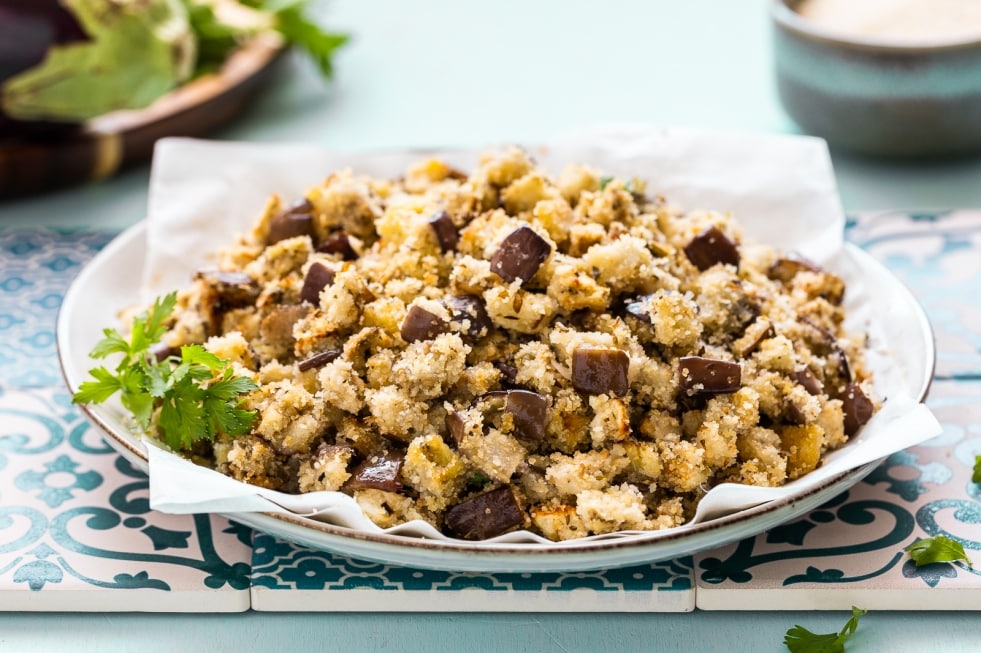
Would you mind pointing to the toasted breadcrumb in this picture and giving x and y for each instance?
(513, 341)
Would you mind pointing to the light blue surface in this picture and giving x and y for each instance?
(428, 72)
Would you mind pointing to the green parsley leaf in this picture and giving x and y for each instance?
(112, 343)
(95, 392)
(307, 35)
(198, 355)
(604, 182)
(193, 398)
(230, 387)
(181, 419)
(141, 405)
(216, 39)
(938, 548)
(976, 477)
(800, 640)
(149, 327)
(478, 479)
(292, 22)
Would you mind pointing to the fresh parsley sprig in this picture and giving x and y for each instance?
(197, 395)
(938, 548)
(292, 20)
(800, 640)
(299, 30)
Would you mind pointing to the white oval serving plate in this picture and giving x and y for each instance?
(111, 281)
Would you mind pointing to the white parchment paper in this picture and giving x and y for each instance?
(781, 190)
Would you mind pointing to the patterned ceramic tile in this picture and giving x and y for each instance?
(290, 577)
(850, 551)
(77, 533)
(36, 268)
(938, 255)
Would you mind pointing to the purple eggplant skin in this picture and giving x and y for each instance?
(28, 28)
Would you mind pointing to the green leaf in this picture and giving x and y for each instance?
(198, 355)
(216, 40)
(138, 50)
(222, 403)
(158, 379)
(976, 477)
(134, 396)
(230, 387)
(277, 6)
(938, 548)
(148, 327)
(192, 399)
(228, 419)
(182, 417)
(112, 343)
(141, 405)
(307, 35)
(202, 398)
(604, 182)
(95, 392)
(155, 319)
(800, 640)
(297, 29)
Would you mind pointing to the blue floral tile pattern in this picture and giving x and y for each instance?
(290, 577)
(36, 268)
(850, 550)
(853, 545)
(77, 532)
(938, 255)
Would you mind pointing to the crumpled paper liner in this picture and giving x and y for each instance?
(780, 189)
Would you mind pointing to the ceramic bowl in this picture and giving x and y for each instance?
(877, 97)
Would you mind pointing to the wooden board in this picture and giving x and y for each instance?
(109, 143)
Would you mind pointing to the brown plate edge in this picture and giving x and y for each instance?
(105, 145)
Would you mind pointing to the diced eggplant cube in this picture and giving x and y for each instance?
(445, 230)
(711, 246)
(810, 382)
(289, 224)
(469, 310)
(420, 324)
(319, 276)
(857, 407)
(600, 371)
(377, 472)
(528, 409)
(520, 255)
(485, 515)
(708, 376)
(339, 244)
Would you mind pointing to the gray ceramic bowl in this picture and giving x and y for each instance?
(874, 97)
